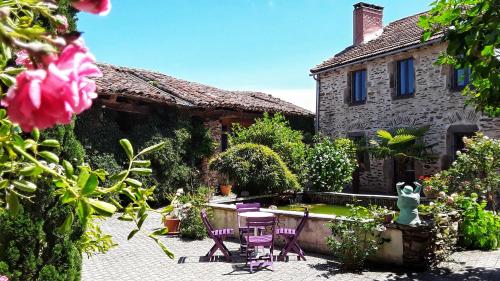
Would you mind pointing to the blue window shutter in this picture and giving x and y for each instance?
(402, 77)
(411, 77)
(363, 85)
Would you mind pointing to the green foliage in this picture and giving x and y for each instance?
(64, 8)
(255, 168)
(480, 229)
(331, 164)
(32, 247)
(70, 149)
(191, 224)
(356, 238)
(475, 171)
(275, 132)
(471, 30)
(174, 166)
(405, 142)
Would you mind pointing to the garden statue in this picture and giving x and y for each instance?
(408, 201)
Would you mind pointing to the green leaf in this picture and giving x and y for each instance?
(141, 171)
(35, 133)
(134, 182)
(132, 233)
(141, 221)
(152, 148)
(83, 210)
(24, 185)
(401, 139)
(49, 156)
(383, 134)
(13, 205)
(28, 170)
(127, 146)
(165, 249)
(90, 185)
(488, 51)
(7, 80)
(161, 231)
(83, 178)
(102, 207)
(68, 168)
(141, 163)
(50, 143)
(65, 227)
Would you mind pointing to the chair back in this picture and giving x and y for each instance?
(246, 207)
(261, 222)
(302, 222)
(206, 223)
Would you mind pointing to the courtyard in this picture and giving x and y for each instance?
(141, 259)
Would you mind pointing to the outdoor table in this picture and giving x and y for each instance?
(255, 215)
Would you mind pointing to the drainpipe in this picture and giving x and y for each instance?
(318, 83)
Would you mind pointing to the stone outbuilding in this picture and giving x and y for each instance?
(387, 79)
(137, 92)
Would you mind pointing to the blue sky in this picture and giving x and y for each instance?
(266, 45)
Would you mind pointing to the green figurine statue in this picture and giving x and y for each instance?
(408, 201)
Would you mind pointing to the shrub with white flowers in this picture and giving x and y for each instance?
(331, 164)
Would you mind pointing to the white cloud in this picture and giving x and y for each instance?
(305, 98)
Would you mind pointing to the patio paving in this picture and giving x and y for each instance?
(141, 259)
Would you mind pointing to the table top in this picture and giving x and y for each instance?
(256, 214)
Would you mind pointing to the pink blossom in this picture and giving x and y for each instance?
(4, 278)
(99, 7)
(42, 98)
(62, 23)
(23, 58)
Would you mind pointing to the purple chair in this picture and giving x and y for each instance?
(218, 235)
(262, 239)
(243, 208)
(291, 237)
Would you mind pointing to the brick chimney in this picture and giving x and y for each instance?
(367, 20)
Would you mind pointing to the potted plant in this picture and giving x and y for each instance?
(226, 186)
(172, 214)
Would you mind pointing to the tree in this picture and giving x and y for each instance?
(472, 30)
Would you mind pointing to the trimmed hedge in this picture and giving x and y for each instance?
(255, 168)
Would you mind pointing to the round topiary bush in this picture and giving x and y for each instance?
(255, 168)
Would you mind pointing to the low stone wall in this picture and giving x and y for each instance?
(414, 247)
(337, 198)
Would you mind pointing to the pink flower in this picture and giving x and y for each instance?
(23, 58)
(43, 98)
(4, 278)
(99, 7)
(62, 23)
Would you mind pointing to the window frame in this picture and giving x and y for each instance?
(355, 84)
(407, 93)
(467, 74)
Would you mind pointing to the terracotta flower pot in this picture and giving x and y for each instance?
(226, 189)
(172, 224)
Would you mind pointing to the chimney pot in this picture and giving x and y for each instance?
(367, 20)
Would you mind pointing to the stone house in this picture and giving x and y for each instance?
(136, 92)
(388, 79)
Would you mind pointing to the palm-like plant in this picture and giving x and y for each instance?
(406, 142)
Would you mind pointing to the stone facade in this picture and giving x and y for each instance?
(433, 104)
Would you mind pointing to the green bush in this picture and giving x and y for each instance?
(275, 132)
(356, 238)
(331, 164)
(174, 166)
(255, 168)
(479, 228)
(31, 248)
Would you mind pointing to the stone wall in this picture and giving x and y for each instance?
(210, 178)
(433, 104)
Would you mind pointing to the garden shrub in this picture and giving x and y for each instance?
(31, 248)
(331, 164)
(479, 228)
(276, 133)
(355, 238)
(174, 166)
(255, 168)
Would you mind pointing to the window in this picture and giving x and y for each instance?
(461, 77)
(405, 78)
(224, 138)
(358, 86)
(458, 143)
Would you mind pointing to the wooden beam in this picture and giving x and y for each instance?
(126, 107)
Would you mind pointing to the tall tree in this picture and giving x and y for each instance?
(472, 30)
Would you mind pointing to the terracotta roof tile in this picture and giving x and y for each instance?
(157, 87)
(398, 34)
